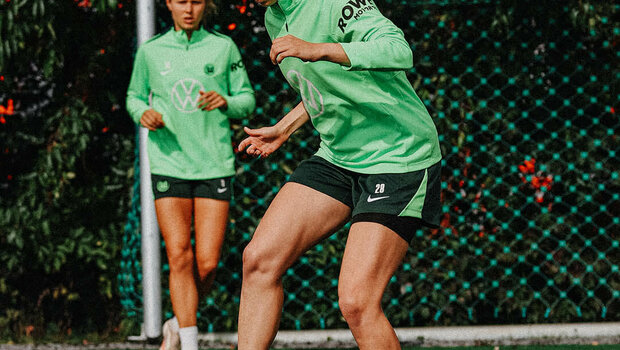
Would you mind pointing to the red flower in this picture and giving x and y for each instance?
(83, 3)
(8, 110)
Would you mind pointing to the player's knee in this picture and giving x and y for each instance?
(180, 260)
(352, 306)
(250, 259)
(256, 264)
(351, 310)
(206, 267)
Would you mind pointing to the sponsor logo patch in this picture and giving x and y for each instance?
(168, 69)
(374, 199)
(163, 186)
(353, 10)
(185, 95)
(209, 69)
(236, 65)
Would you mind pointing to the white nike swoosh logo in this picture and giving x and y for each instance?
(370, 199)
(165, 72)
(222, 190)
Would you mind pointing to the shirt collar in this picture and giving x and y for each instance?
(287, 6)
(180, 36)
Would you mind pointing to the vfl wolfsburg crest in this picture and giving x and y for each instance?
(163, 186)
(185, 95)
(209, 69)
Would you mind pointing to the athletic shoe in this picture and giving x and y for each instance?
(171, 341)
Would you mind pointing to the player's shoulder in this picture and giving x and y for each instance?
(223, 41)
(156, 38)
(152, 43)
(222, 38)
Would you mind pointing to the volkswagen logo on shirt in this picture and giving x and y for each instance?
(311, 96)
(185, 95)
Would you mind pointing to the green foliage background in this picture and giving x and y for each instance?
(66, 164)
(69, 257)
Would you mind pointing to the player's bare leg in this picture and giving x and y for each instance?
(297, 219)
(210, 222)
(372, 255)
(174, 216)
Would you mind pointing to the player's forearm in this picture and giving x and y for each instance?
(293, 120)
(333, 52)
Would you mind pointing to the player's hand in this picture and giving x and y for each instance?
(262, 142)
(211, 100)
(152, 120)
(291, 46)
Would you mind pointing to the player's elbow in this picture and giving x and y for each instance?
(404, 55)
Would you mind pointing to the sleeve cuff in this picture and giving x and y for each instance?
(239, 106)
(352, 51)
(137, 111)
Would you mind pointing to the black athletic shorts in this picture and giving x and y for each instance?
(166, 186)
(402, 202)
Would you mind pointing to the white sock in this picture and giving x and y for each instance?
(189, 338)
(174, 324)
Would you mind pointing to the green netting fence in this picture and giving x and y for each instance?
(525, 97)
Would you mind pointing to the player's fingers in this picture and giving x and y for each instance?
(216, 104)
(216, 99)
(262, 133)
(283, 55)
(245, 143)
(241, 145)
(212, 101)
(276, 50)
(152, 116)
(253, 132)
(203, 102)
(272, 56)
(208, 99)
(146, 124)
(146, 119)
(209, 96)
(156, 122)
(251, 150)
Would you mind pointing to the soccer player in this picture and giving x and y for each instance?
(197, 81)
(378, 164)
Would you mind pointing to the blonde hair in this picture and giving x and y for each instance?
(210, 8)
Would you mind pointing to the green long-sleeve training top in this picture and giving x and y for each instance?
(368, 116)
(169, 71)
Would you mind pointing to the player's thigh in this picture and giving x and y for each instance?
(372, 254)
(174, 216)
(210, 222)
(298, 218)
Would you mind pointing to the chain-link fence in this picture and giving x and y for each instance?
(524, 96)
